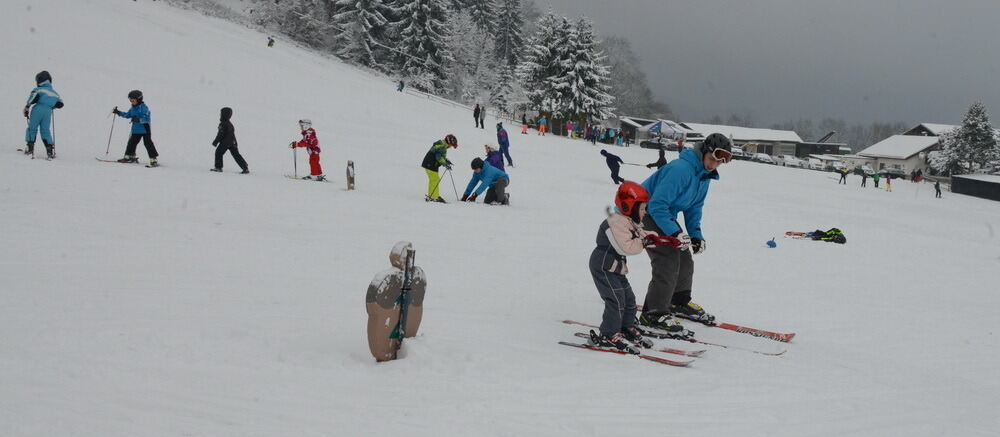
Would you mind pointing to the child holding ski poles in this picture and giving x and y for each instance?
(311, 143)
(618, 236)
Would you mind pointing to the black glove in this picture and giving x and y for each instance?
(698, 246)
(465, 197)
(26, 109)
(116, 111)
(58, 105)
(472, 198)
(447, 166)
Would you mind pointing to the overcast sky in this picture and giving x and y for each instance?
(863, 61)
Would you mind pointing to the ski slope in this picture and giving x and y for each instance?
(175, 301)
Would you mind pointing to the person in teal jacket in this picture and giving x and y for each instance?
(487, 176)
(140, 116)
(38, 110)
(679, 187)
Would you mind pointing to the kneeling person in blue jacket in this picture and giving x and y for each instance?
(487, 176)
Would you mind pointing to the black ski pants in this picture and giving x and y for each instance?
(672, 275)
(147, 140)
(619, 299)
(221, 149)
(614, 175)
(497, 191)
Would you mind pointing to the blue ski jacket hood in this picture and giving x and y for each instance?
(679, 186)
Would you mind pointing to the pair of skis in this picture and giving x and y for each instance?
(119, 162)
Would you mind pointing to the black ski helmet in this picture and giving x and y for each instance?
(135, 94)
(716, 141)
(42, 77)
(477, 163)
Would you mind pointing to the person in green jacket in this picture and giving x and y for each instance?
(875, 178)
(433, 160)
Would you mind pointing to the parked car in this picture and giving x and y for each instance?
(892, 173)
(739, 154)
(863, 169)
(763, 157)
(788, 161)
(659, 143)
(838, 166)
(815, 164)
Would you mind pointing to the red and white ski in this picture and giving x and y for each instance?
(693, 340)
(667, 350)
(616, 351)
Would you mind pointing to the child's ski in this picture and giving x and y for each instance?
(616, 351)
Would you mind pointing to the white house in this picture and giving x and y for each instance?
(905, 152)
(750, 139)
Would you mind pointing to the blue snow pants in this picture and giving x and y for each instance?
(41, 117)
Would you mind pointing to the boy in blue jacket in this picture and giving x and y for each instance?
(140, 116)
(487, 175)
(680, 186)
(44, 99)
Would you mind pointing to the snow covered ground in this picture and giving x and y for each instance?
(176, 301)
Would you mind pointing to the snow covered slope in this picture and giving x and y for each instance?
(175, 301)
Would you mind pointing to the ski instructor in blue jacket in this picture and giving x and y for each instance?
(486, 175)
(38, 111)
(679, 187)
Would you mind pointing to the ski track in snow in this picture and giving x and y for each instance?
(176, 301)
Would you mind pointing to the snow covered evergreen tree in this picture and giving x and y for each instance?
(584, 84)
(971, 145)
(508, 42)
(484, 15)
(307, 21)
(540, 65)
(423, 30)
(503, 90)
(360, 29)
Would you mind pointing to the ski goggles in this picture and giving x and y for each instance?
(722, 155)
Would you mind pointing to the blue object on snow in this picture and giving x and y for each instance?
(772, 244)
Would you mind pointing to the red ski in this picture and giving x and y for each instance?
(615, 351)
(776, 336)
(665, 349)
(693, 340)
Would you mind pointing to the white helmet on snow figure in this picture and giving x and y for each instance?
(305, 122)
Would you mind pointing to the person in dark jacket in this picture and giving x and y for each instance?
(614, 163)
(475, 115)
(226, 140)
(504, 141)
(659, 162)
(937, 189)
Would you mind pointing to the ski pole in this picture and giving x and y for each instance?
(436, 186)
(295, 162)
(453, 185)
(106, 151)
(629, 163)
(53, 127)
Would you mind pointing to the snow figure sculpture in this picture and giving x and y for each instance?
(393, 295)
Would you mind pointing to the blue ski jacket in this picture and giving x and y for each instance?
(44, 96)
(487, 176)
(140, 116)
(679, 186)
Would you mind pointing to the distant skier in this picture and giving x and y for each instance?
(475, 115)
(524, 124)
(614, 163)
(494, 157)
(38, 110)
(400, 86)
(504, 141)
(482, 118)
(487, 176)
(679, 187)
(141, 118)
(937, 189)
(620, 235)
(433, 160)
(661, 161)
(843, 176)
(864, 179)
(875, 178)
(542, 125)
(225, 140)
(311, 144)
(270, 41)
(888, 183)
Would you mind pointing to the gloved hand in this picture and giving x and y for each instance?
(472, 198)
(465, 197)
(653, 240)
(58, 105)
(291, 145)
(26, 108)
(698, 246)
(116, 111)
(447, 166)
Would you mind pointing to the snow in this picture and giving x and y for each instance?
(175, 301)
(899, 147)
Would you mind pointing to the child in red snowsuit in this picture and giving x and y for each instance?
(311, 143)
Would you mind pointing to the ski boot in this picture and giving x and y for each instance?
(635, 337)
(307, 178)
(29, 148)
(152, 162)
(50, 151)
(616, 342)
(320, 178)
(664, 326)
(245, 171)
(693, 311)
(129, 159)
(217, 170)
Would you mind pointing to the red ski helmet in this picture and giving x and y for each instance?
(451, 141)
(630, 193)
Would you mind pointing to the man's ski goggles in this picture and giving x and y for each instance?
(722, 155)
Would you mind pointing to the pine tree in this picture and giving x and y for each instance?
(540, 62)
(484, 15)
(508, 42)
(584, 85)
(972, 144)
(306, 21)
(423, 31)
(360, 28)
(503, 90)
